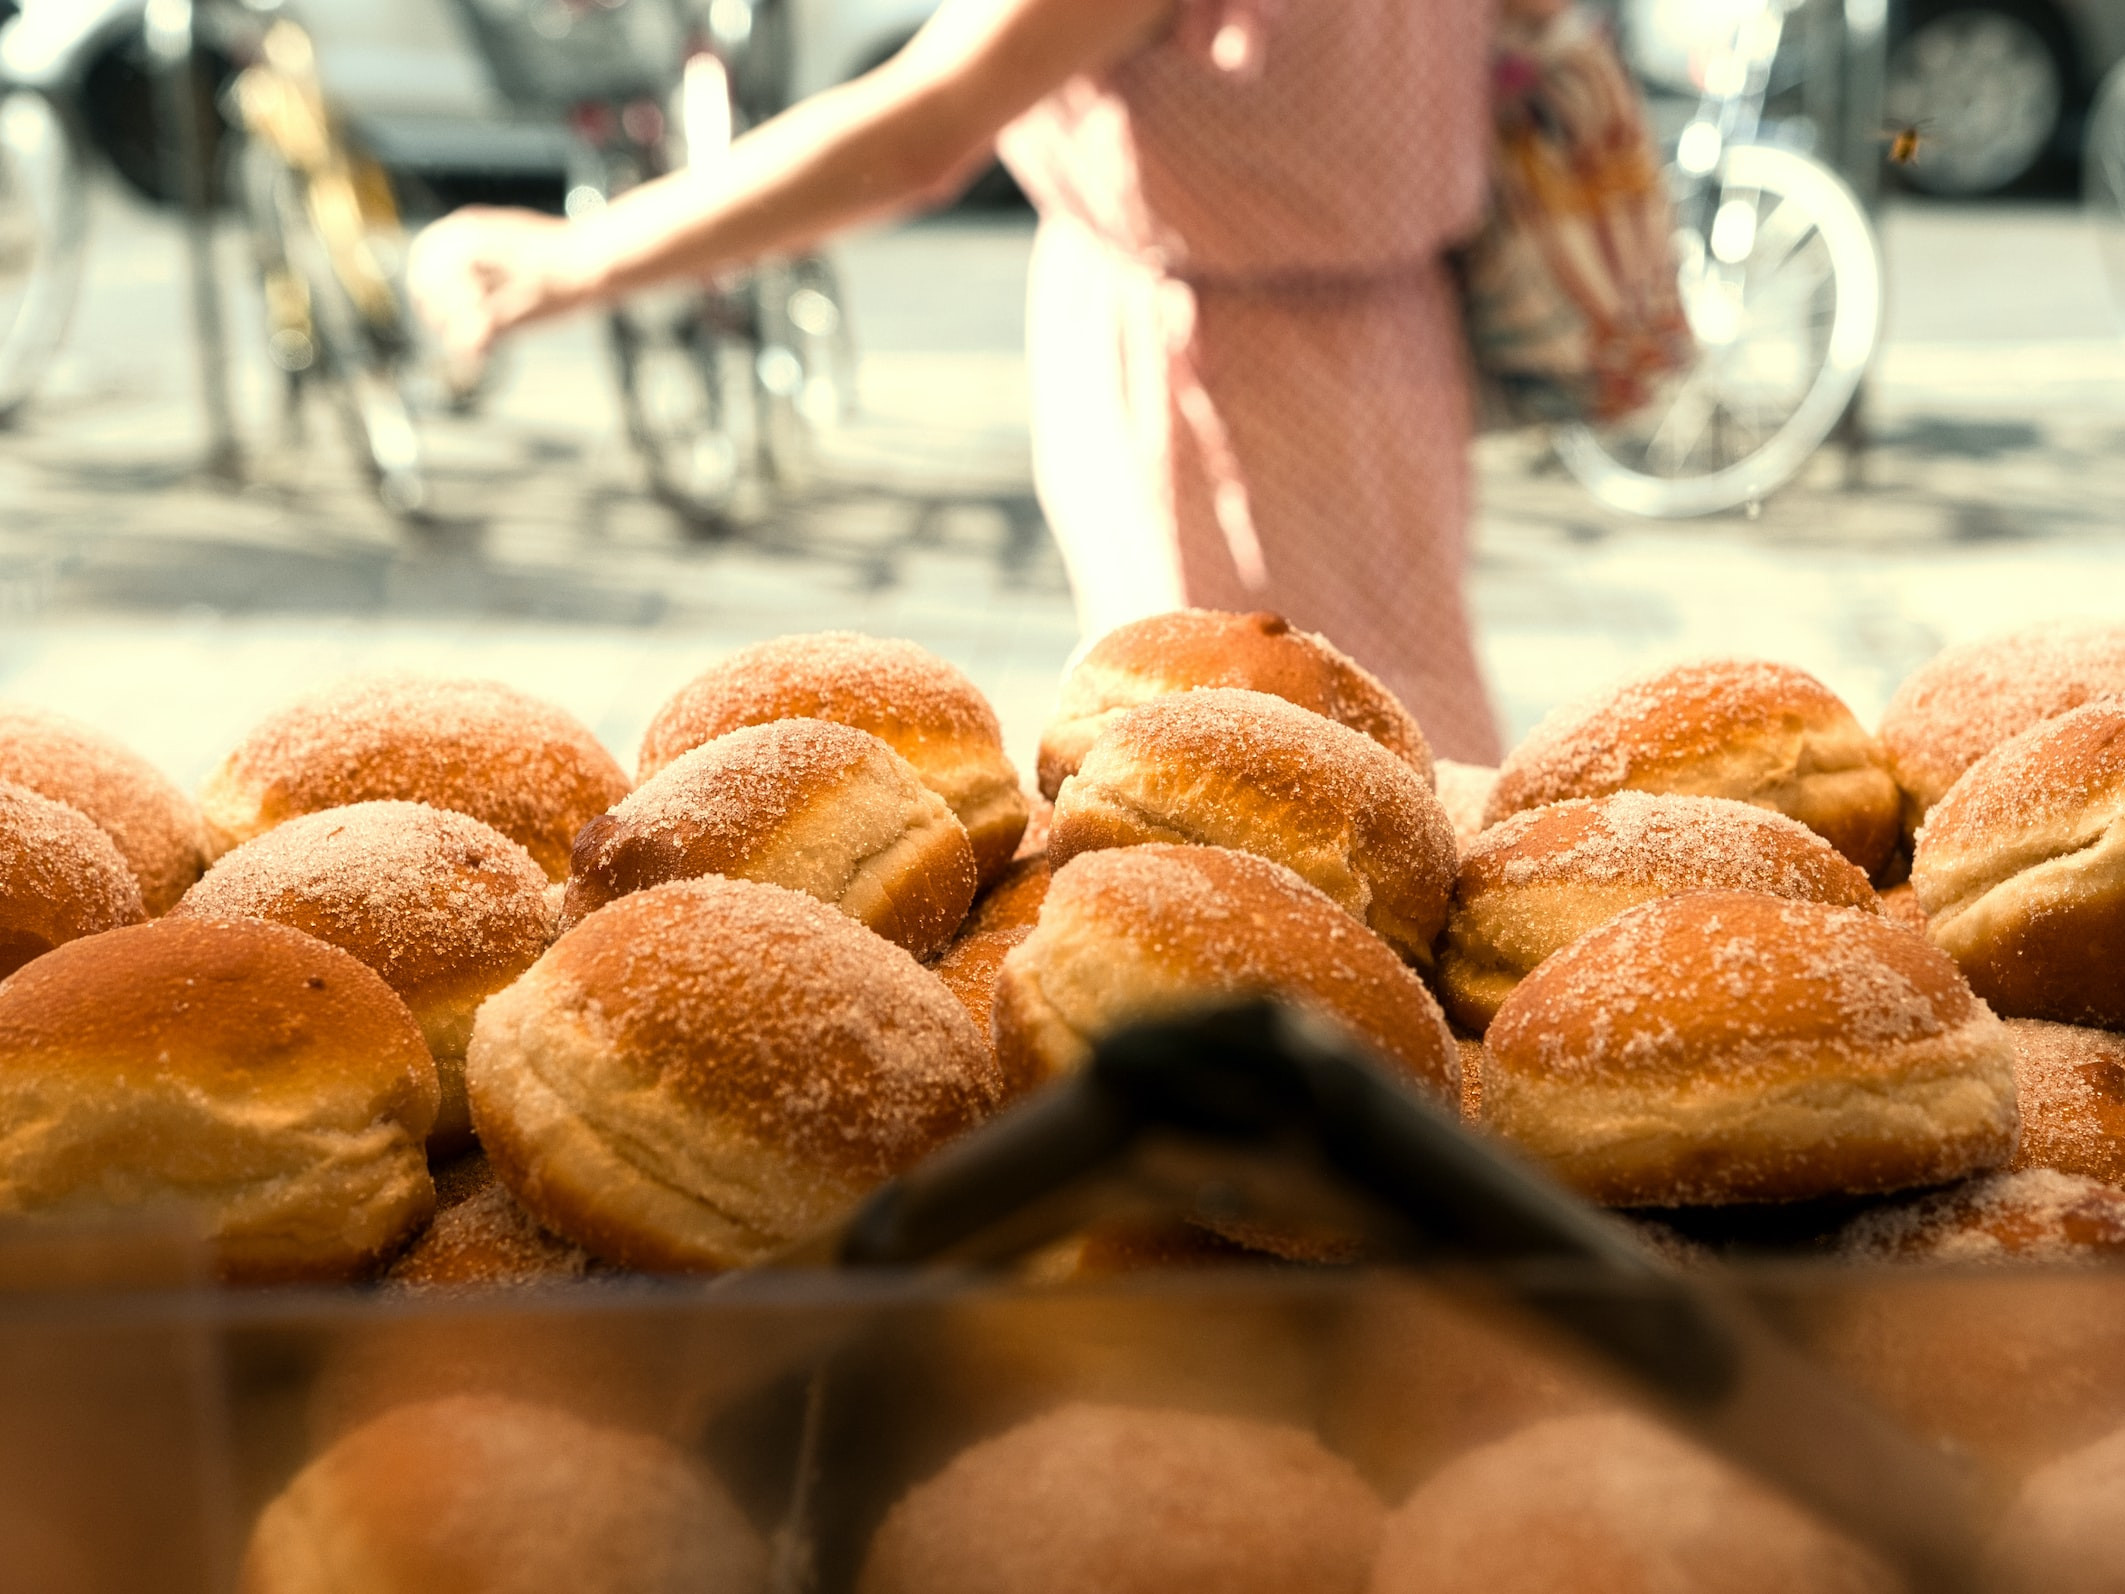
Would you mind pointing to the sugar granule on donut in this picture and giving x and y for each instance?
(60, 878)
(2035, 1216)
(2070, 1084)
(481, 1237)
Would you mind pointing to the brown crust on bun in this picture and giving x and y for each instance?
(1728, 1047)
(923, 708)
(2037, 1216)
(1192, 648)
(2069, 1082)
(1759, 733)
(1003, 917)
(60, 878)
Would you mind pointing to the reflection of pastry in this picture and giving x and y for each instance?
(477, 747)
(817, 807)
(2070, 1085)
(2038, 1215)
(1192, 648)
(1254, 773)
(269, 1082)
(1136, 933)
(1966, 700)
(2064, 1533)
(1610, 1502)
(1726, 1046)
(1537, 882)
(1121, 1500)
(154, 825)
(483, 1495)
(704, 1072)
(1003, 916)
(1759, 733)
(60, 878)
(917, 704)
(446, 909)
(2021, 870)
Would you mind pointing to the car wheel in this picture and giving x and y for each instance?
(1985, 86)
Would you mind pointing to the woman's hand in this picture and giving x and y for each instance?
(481, 272)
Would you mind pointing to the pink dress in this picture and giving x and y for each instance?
(1249, 388)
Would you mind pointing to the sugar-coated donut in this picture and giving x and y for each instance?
(1193, 648)
(2064, 1533)
(706, 1071)
(481, 1237)
(1464, 792)
(818, 807)
(154, 825)
(1966, 700)
(1609, 1501)
(60, 878)
(1135, 933)
(1132, 1501)
(530, 770)
(1760, 733)
(1727, 1046)
(448, 910)
(926, 710)
(1900, 904)
(2069, 1083)
(271, 1083)
(1230, 768)
(2021, 870)
(1471, 1052)
(480, 1494)
(2037, 1215)
(1535, 883)
(1003, 917)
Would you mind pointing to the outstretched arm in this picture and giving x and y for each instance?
(905, 133)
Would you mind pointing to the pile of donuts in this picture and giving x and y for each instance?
(424, 983)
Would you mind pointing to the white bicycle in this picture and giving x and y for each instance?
(1780, 278)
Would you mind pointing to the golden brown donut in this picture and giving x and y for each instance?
(484, 1495)
(706, 1071)
(1122, 1500)
(2037, 1215)
(2069, 1083)
(1230, 768)
(1759, 733)
(267, 1081)
(1537, 882)
(1966, 700)
(2021, 870)
(1135, 933)
(482, 1238)
(818, 807)
(60, 878)
(1471, 1053)
(1464, 792)
(1609, 1501)
(2064, 1533)
(1900, 904)
(920, 706)
(1726, 1046)
(1192, 648)
(525, 767)
(1003, 916)
(154, 825)
(446, 909)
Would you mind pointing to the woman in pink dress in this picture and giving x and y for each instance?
(1249, 389)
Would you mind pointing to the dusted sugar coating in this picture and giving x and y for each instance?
(1464, 792)
(2021, 870)
(446, 909)
(1244, 770)
(2064, 1533)
(1900, 904)
(480, 1238)
(1003, 917)
(481, 1494)
(1536, 882)
(1122, 1500)
(817, 807)
(2037, 1216)
(530, 770)
(1725, 1047)
(1760, 733)
(1609, 1501)
(1966, 700)
(1136, 933)
(1194, 648)
(268, 1081)
(2069, 1083)
(917, 704)
(704, 1072)
(154, 825)
(60, 878)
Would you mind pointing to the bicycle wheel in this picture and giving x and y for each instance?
(43, 236)
(668, 358)
(1783, 294)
